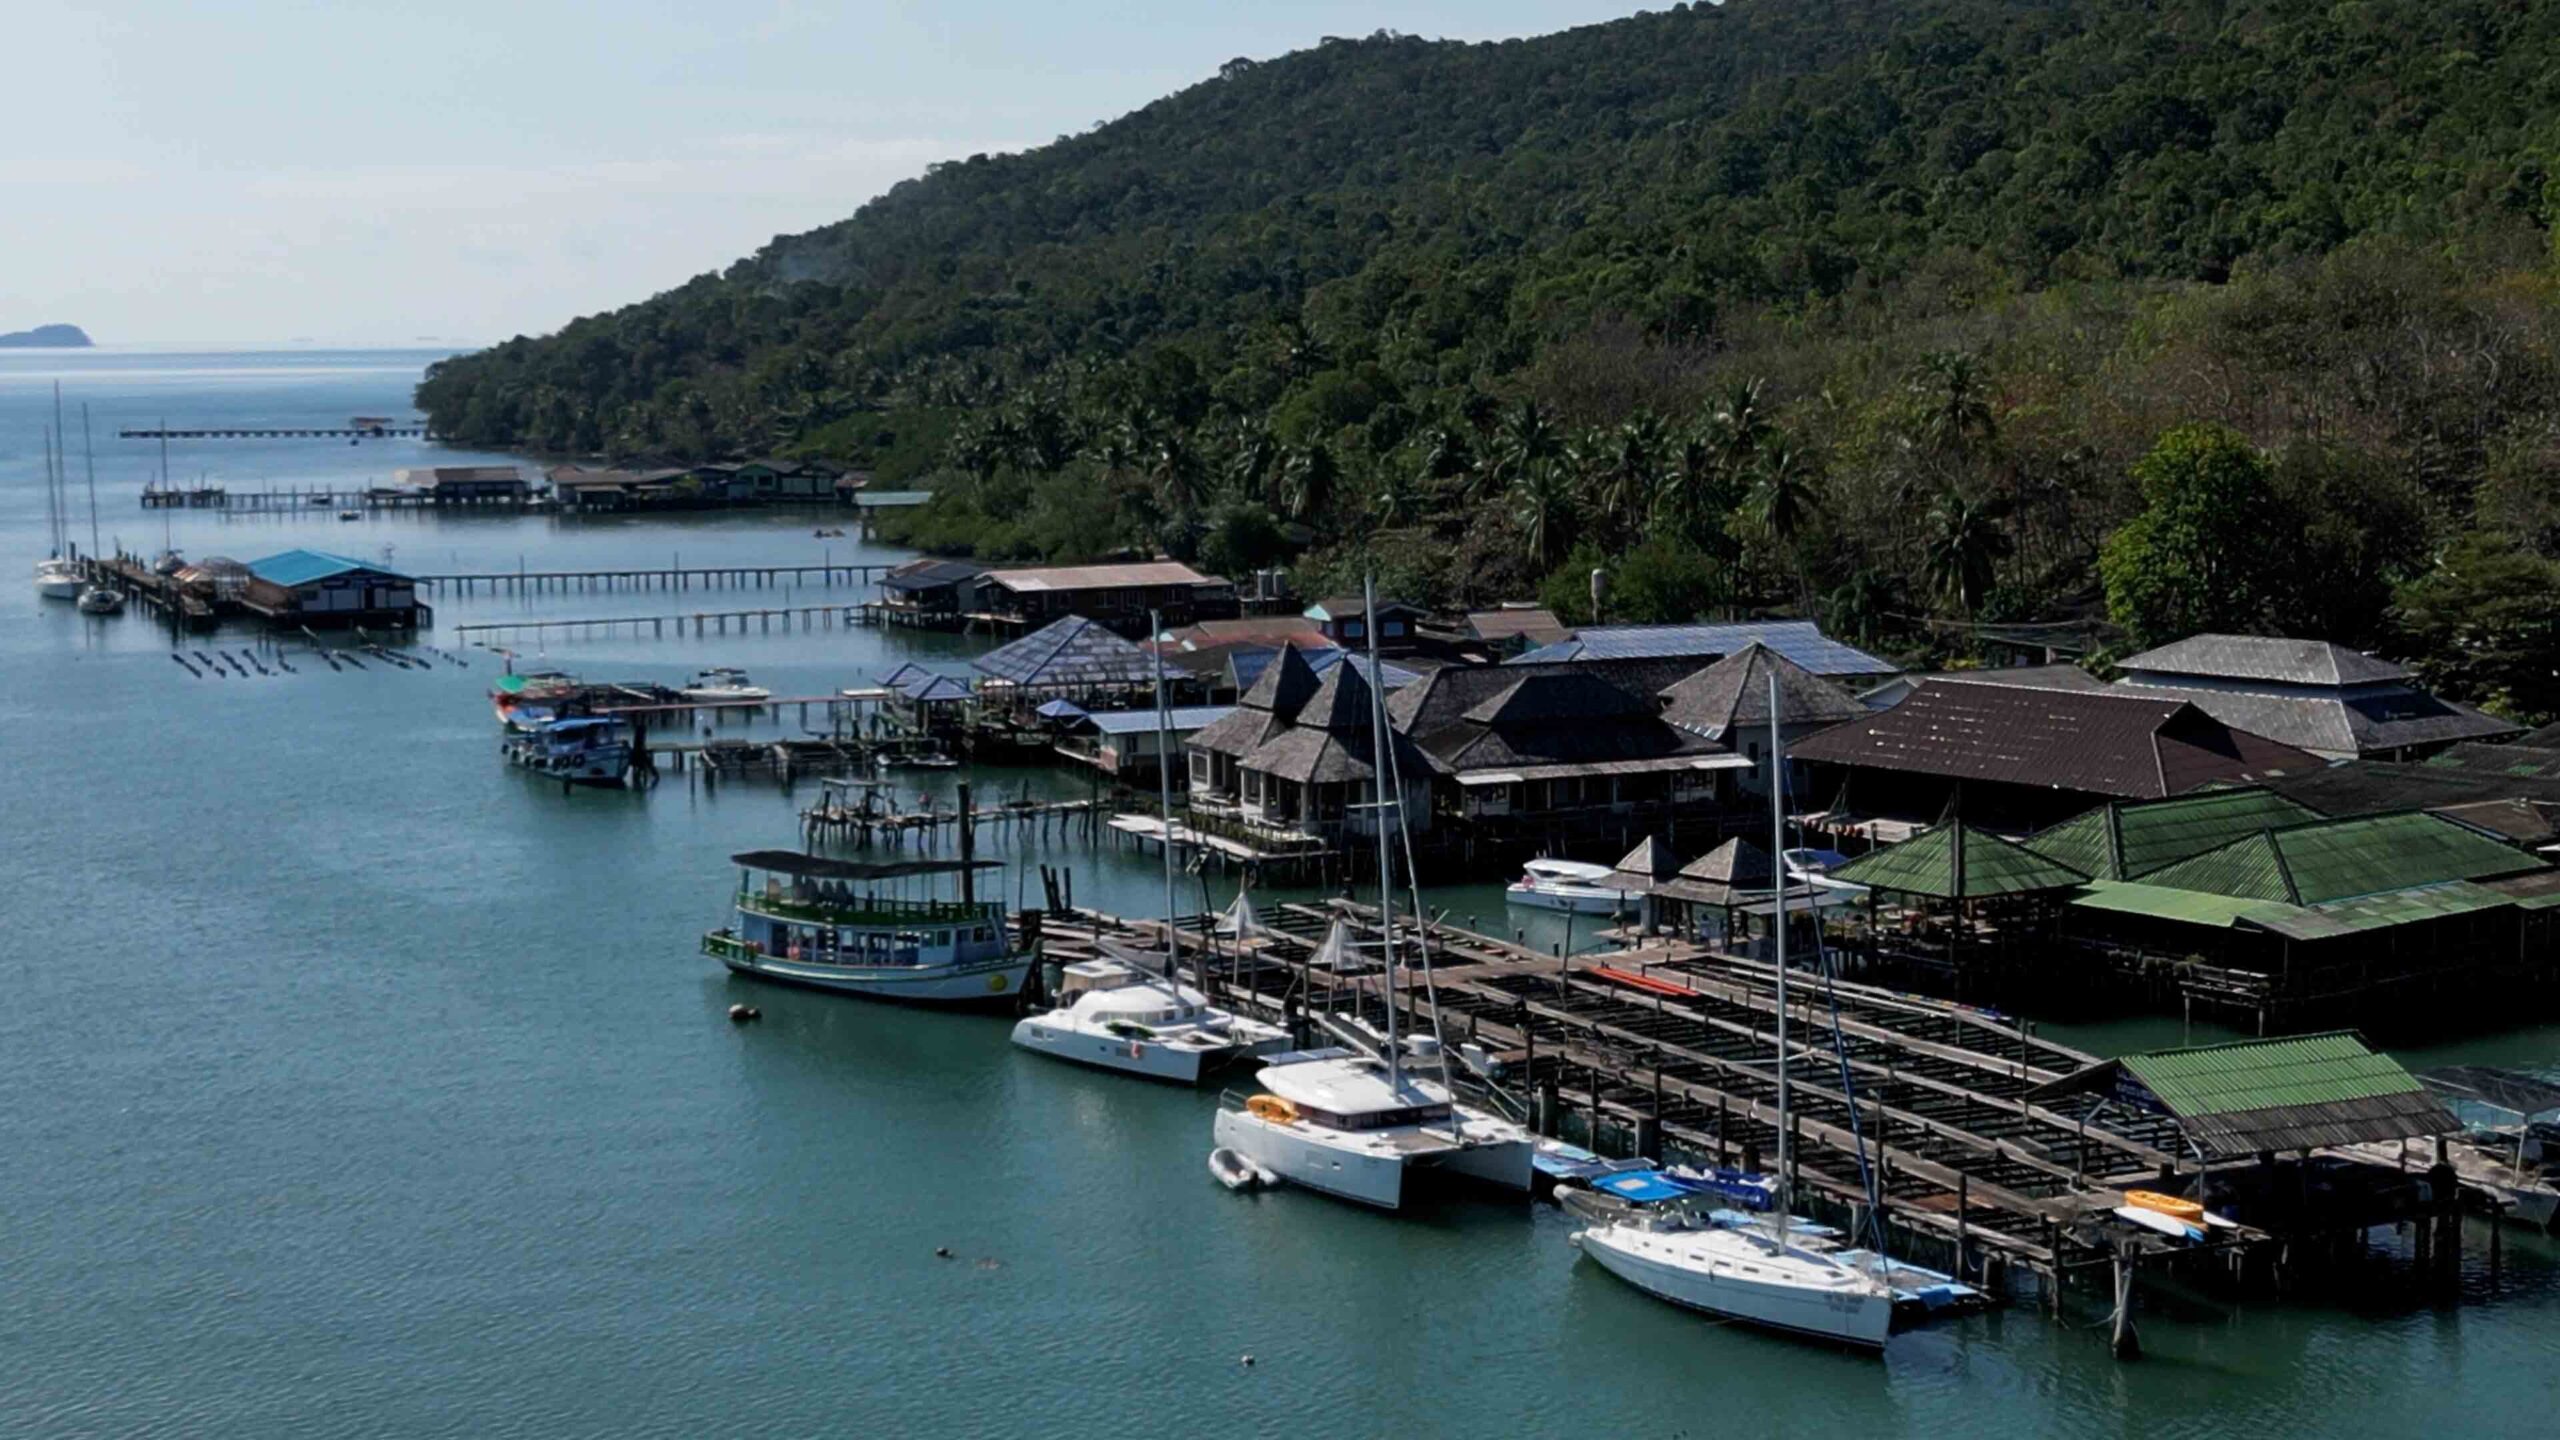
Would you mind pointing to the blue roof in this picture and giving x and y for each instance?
(1060, 709)
(301, 567)
(1801, 641)
(1397, 677)
(1134, 722)
(1249, 661)
(1643, 1186)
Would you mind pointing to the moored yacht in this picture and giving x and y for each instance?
(1358, 1126)
(1118, 1014)
(1655, 1231)
(57, 579)
(1567, 885)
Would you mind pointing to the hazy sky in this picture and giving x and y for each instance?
(365, 173)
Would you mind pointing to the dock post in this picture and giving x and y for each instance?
(2127, 1344)
(1542, 1113)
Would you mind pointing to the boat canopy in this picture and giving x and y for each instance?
(2519, 1094)
(822, 867)
(1644, 1187)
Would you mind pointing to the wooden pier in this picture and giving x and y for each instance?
(701, 622)
(662, 577)
(294, 500)
(1668, 1048)
(871, 818)
(339, 432)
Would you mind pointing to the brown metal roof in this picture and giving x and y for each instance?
(2099, 743)
(1101, 577)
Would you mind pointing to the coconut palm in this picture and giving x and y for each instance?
(1309, 477)
(1962, 553)
(1955, 410)
(1542, 503)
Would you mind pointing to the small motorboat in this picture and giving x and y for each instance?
(724, 685)
(1235, 1170)
(350, 514)
(99, 600)
(1567, 885)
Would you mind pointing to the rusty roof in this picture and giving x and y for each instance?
(1101, 577)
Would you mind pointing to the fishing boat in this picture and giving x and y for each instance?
(723, 685)
(1761, 1271)
(1123, 1013)
(579, 749)
(1567, 885)
(525, 702)
(852, 928)
(1364, 1120)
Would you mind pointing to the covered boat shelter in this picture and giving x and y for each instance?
(1959, 905)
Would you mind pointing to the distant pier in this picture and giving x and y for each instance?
(343, 432)
(650, 577)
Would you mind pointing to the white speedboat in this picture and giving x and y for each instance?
(1116, 1014)
(839, 925)
(99, 600)
(57, 579)
(1355, 1127)
(1567, 885)
(724, 686)
(1668, 1238)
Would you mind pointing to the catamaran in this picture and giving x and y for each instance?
(1762, 1271)
(1122, 1013)
(848, 926)
(1358, 1121)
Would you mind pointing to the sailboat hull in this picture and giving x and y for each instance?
(1671, 1266)
(66, 587)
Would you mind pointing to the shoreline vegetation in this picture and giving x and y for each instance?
(1920, 318)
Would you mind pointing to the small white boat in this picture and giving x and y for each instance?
(350, 514)
(57, 579)
(1567, 885)
(1236, 1172)
(99, 600)
(724, 686)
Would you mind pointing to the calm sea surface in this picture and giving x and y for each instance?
(357, 1086)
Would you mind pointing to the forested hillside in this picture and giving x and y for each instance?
(1870, 308)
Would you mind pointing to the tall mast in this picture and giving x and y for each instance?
(1164, 797)
(1378, 790)
(1778, 864)
(89, 458)
(62, 462)
(52, 499)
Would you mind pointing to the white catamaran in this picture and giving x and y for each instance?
(1757, 1271)
(1121, 1013)
(1357, 1122)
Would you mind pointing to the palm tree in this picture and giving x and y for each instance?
(1956, 413)
(1626, 471)
(1179, 475)
(1965, 545)
(1786, 496)
(1394, 503)
(1528, 440)
(1543, 504)
(1254, 461)
(1740, 425)
(1309, 475)
(1446, 455)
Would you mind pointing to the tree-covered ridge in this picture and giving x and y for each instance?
(1863, 305)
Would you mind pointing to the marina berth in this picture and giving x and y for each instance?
(852, 927)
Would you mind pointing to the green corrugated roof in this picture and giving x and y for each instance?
(2194, 907)
(2376, 912)
(2263, 1074)
(1958, 862)
(2340, 859)
(2127, 840)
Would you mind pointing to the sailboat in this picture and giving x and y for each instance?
(94, 599)
(1356, 1121)
(1672, 1238)
(1120, 1013)
(56, 577)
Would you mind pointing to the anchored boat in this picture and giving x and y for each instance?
(856, 927)
(581, 749)
(724, 685)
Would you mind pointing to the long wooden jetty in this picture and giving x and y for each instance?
(1668, 1048)
(296, 500)
(703, 622)
(286, 432)
(760, 576)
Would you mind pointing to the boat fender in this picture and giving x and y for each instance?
(743, 1014)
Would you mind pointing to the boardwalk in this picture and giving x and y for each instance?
(762, 576)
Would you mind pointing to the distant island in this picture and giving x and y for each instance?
(48, 337)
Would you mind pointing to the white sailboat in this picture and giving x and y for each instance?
(94, 599)
(56, 577)
(1358, 1123)
(1118, 1013)
(1756, 1272)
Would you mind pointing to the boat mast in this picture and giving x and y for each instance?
(62, 462)
(1378, 790)
(1778, 922)
(52, 499)
(89, 458)
(1164, 798)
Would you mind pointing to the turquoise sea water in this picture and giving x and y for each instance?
(358, 1086)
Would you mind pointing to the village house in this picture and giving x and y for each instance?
(468, 484)
(1728, 702)
(1119, 596)
(315, 589)
(2336, 703)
